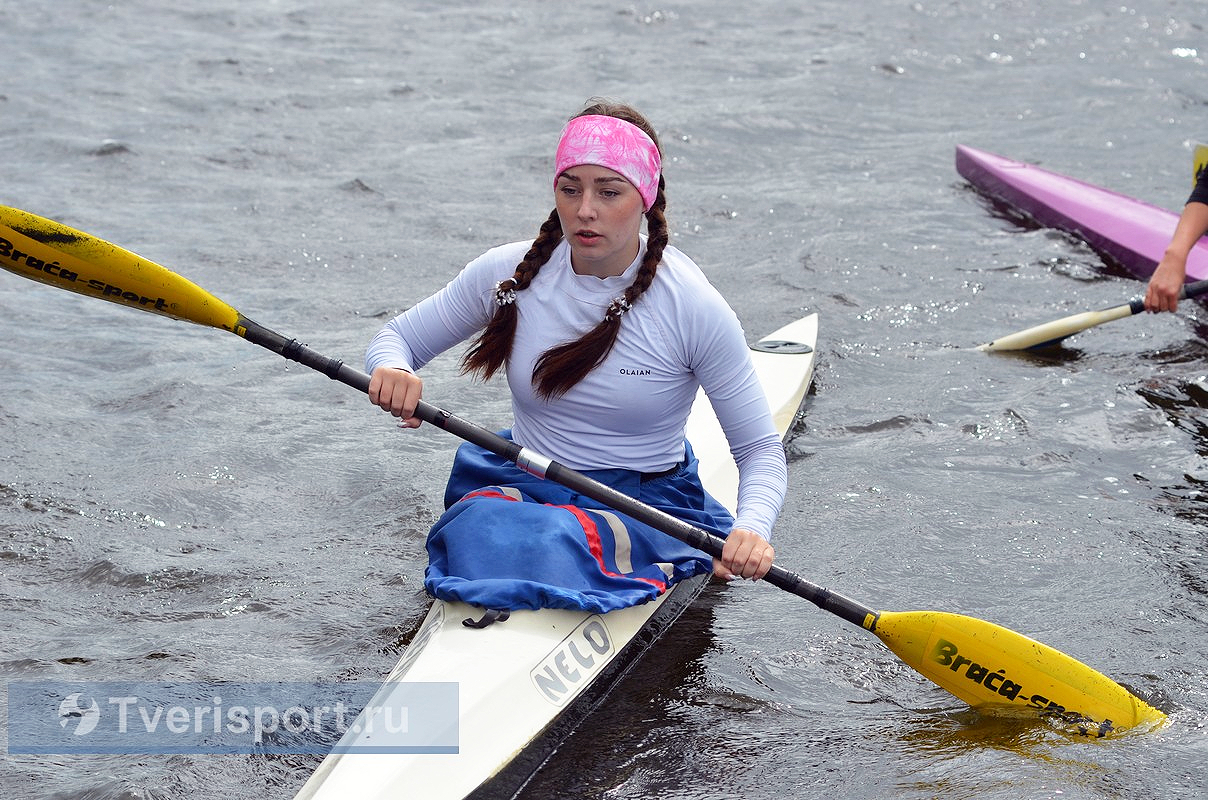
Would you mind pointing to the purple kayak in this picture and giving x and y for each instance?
(1128, 231)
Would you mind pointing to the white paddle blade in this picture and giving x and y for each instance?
(1053, 332)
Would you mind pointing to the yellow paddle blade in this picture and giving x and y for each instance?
(1201, 160)
(1000, 672)
(51, 253)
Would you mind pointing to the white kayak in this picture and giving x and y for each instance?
(525, 683)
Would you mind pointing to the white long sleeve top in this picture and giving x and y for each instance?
(630, 411)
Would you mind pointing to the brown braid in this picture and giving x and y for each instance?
(563, 366)
(490, 351)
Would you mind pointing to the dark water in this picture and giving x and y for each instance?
(176, 504)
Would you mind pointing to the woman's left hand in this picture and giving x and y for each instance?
(746, 555)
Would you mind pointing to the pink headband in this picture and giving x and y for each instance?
(616, 144)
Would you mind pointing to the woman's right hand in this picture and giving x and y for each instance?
(1166, 284)
(397, 391)
(1162, 293)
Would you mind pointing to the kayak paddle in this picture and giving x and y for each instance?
(1053, 332)
(991, 668)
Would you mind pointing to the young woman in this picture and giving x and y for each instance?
(1162, 293)
(604, 336)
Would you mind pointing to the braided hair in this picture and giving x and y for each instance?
(562, 366)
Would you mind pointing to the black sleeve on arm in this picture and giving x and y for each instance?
(1200, 193)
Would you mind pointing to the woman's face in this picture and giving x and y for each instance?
(601, 215)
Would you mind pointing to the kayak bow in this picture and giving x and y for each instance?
(1128, 231)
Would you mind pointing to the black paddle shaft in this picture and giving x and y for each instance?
(542, 467)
